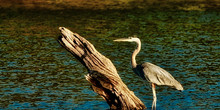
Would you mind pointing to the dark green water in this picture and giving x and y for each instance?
(37, 73)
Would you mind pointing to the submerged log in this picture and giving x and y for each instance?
(102, 73)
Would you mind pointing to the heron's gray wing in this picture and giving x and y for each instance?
(159, 76)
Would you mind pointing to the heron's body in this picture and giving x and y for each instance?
(150, 72)
(155, 74)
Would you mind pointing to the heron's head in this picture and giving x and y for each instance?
(129, 39)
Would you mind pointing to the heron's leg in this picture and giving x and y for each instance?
(154, 97)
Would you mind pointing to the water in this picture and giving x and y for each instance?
(37, 73)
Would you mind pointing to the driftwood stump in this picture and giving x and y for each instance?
(102, 73)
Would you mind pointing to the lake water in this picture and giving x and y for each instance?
(37, 73)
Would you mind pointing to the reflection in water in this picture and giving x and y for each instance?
(36, 72)
(189, 5)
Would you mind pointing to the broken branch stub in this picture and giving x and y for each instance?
(102, 73)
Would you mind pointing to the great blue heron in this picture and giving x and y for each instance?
(148, 71)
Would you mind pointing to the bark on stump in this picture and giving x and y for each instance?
(102, 73)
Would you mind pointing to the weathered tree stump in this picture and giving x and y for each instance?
(102, 73)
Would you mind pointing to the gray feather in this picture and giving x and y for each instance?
(156, 75)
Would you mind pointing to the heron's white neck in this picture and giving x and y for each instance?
(134, 54)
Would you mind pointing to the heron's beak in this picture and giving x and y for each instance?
(123, 40)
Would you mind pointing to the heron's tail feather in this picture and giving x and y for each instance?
(178, 86)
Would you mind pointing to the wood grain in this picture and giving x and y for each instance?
(102, 73)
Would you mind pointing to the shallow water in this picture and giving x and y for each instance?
(37, 73)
